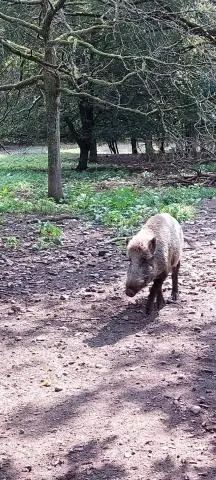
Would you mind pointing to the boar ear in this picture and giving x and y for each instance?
(152, 245)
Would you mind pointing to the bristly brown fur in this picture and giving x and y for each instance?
(160, 242)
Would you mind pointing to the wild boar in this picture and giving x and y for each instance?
(153, 253)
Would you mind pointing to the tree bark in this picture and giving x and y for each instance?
(52, 96)
(88, 147)
(112, 144)
(149, 148)
(190, 140)
(162, 145)
(52, 100)
(134, 146)
(93, 151)
(84, 146)
(86, 137)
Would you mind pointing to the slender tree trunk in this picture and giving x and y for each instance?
(112, 144)
(52, 98)
(162, 145)
(84, 155)
(116, 146)
(149, 148)
(111, 147)
(93, 151)
(134, 146)
(194, 147)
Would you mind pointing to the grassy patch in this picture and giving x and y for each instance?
(11, 242)
(208, 167)
(105, 195)
(49, 234)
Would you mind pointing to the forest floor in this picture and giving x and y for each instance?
(92, 389)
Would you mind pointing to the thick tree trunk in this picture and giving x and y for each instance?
(93, 151)
(86, 137)
(52, 97)
(149, 148)
(84, 155)
(134, 146)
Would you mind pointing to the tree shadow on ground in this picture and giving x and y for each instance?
(195, 380)
(81, 459)
(131, 320)
(28, 272)
(168, 470)
(8, 470)
(160, 399)
(101, 326)
(36, 421)
(109, 471)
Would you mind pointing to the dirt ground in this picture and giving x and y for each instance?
(91, 389)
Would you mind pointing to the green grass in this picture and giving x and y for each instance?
(11, 242)
(23, 188)
(49, 234)
(208, 167)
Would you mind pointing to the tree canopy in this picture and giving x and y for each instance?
(123, 67)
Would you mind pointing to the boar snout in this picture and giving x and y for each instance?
(132, 289)
(130, 292)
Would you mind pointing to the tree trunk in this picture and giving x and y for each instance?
(134, 146)
(162, 145)
(86, 138)
(190, 140)
(84, 155)
(194, 148)
(112, 144)
(93, 151)
(149, 148)
(52, 99)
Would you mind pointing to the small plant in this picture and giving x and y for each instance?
(50, 234)
(11, 242)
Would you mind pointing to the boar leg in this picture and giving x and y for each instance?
(175, 273)
(156, 291)
(160, 299)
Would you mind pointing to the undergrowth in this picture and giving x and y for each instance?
(105, 195)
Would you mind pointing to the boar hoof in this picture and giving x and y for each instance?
(174, 296)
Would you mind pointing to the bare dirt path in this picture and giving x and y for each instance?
(90, 388)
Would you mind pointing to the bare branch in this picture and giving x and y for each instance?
(35, 101)
(19, 21)
(92, 49)
(193, 27)
(51, 12)
(23, 2)
(85, 14)
(22, 84)
(67, 38)
(107, 103)
(99, 100)
(27, 53)
(105, 83)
